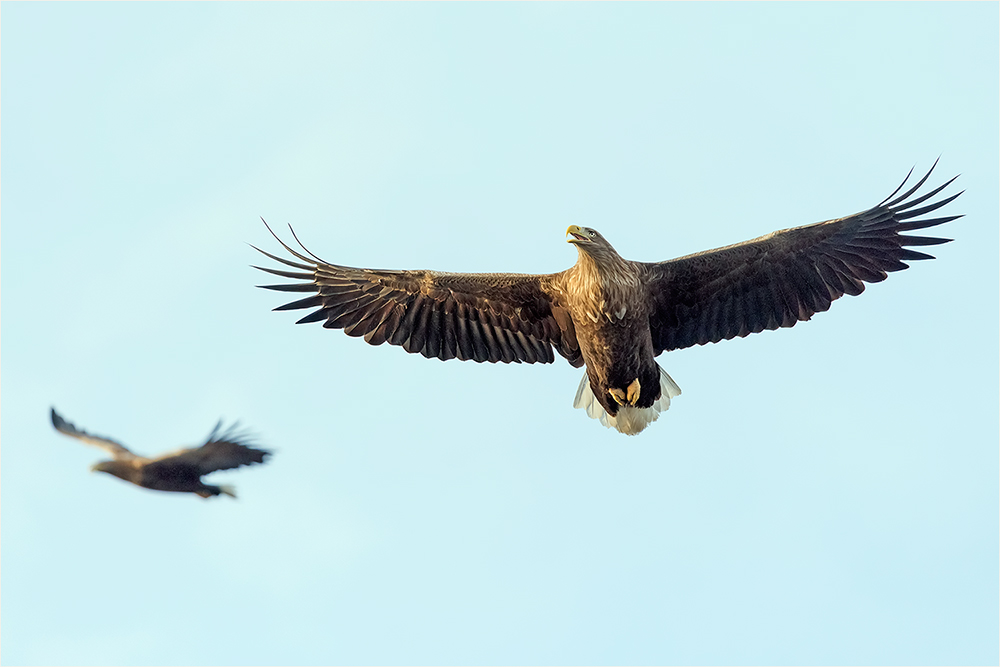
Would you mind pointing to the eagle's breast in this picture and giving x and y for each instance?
(602, 291)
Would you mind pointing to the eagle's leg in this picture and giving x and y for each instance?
(630, 396)
(618, 395)
(633, 392)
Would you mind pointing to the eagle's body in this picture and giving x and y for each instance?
(179, 471)
(176, 477)
(608, 304)
(615, 315)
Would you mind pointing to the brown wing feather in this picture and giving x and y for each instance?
(116, 449)
(221, 451)
(495, 317)
(784, 277)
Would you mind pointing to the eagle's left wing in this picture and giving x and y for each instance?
(222, 450)
(117, 450)
(493, 317)
(786, 276)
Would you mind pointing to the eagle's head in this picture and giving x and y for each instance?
(590, 241)
(115, 468)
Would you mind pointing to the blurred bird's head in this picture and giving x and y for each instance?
(115, 468)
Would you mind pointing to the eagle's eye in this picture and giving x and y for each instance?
(591, 232)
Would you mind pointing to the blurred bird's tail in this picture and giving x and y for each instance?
(228, 489)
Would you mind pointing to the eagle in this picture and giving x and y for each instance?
(614, 315)
(179, 471)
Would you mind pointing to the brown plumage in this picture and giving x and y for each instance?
(612, 314)
(178, 471)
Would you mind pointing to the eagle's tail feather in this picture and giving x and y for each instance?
(629, 420)
(228, 489)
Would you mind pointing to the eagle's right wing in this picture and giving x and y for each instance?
(117, 450)
(491, 317)
(786, 276)
(222, 450)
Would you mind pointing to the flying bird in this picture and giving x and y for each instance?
(179, 471)
(613, 315)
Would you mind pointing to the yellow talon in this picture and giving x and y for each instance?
(633, 392)
(618, 395)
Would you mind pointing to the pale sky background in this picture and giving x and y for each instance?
(822, 494)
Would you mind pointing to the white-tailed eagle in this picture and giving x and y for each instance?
(614, 315)
(179, 471)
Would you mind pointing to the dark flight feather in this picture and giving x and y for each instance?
(438, 315)
(811, 265)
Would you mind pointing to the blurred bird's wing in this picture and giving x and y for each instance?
(117, 450)
(221, 451)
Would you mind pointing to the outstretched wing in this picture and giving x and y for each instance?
(117, 450)
(480, 316)
(784, 277)
(222, 450)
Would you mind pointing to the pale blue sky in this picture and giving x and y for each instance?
(822, 494)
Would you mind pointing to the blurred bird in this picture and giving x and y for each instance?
(179, 471)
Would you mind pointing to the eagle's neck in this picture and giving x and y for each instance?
(603, 286)
(121, 469)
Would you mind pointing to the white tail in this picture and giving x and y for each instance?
(228, 489)
(629, 420)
